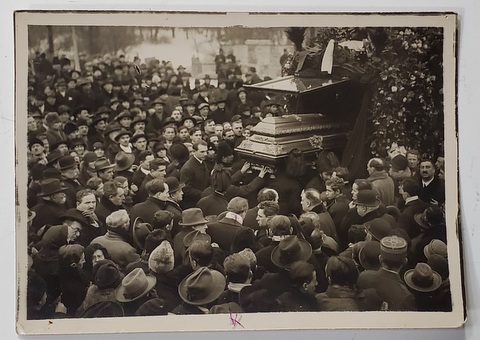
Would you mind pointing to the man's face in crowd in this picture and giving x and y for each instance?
(161, 172)
(304, 202)
(124, 140)
(88, 203)
(237, 129)
(119, 197)
(141, 144)
(412, 161)
(201, 152)
(262, 219)
(169, 134)
(177, 196)
(229, 135)
(106, 175)
(219, 130)
(427, 170)
(210, 127)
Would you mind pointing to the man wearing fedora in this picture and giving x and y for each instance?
(199, 291)
(115, 240)
(51, 206)
(386, 280)
(155, 121)
(192, 219)
(124, 165)
(70, 173)
(136, 289)
(367, 207)
(290, 249)
(424, 283)
(104, 169)
(157, 191)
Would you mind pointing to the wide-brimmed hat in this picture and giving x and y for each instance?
(135, 285)
(430, 217)
(422, 278)
(192, 217)
(54, 156)
(435, 247)
(123, 161)
(289, 250)
(74, 215)
(98, 118)
(121, 133)
(173, 184)
(179, 152)
(182, 121)
(195, 236)
(378, 228)
(368, 255)
(104, 309)
(54, 146)
(51, 186)
(123, 114)
(112, 127)
(202, 286)
(367, 198)
(83, 81)
(103, 164)
(140, 232)
(138, 119)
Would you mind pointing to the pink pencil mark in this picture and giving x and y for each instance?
(235, 320)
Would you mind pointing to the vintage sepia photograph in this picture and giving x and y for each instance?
(208, 171)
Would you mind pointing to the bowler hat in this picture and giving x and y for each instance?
(103, 164)
(378, 228)
(67, 162)
(74, 215)
(201, 287)
(422, 278)
(367, 198)
(51, 173)
(399, 162)
(51, 186)
(34, 140)
(81, 122)
(123, 161)
(135, 285)
(192, 217)
(89, 157)
(55, 145)
(140, 232)
(69, 127)
(108, 276)
(182, 121)
(435, 247)
(173, 184)
(393, 248)
(196, 236)
(430, 217)
(54, 156)
(104, 309)
(52, 118)
(368, 255)
(289, 250)
(179, 152)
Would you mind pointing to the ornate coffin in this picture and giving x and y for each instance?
(318, 116)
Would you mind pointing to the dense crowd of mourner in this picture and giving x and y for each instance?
(139, 205)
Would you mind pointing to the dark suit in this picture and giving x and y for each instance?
(47, 212)
(250, 219)
(390, 287)
(196, 177)
(296, 301)
(406, 220)
(213, 204)
(264, 257)
(230, 235)
(435, 190)
(146, 210)
(105, 208)
(73, 186)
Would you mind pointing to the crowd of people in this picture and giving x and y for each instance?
(138, 204)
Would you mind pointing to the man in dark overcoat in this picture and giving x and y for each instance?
(158, 193)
